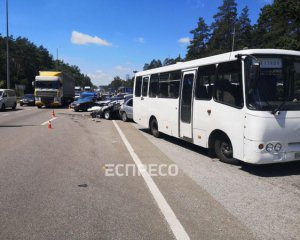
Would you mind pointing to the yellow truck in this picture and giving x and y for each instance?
(53, 89)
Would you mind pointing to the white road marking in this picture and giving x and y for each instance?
(176, 227)
(50, 120)
(4, 115)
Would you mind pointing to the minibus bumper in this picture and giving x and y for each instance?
(254, 155)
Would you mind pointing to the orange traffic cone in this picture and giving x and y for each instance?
(53, 114)
(49, 125)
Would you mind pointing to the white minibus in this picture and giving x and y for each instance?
(242, 105)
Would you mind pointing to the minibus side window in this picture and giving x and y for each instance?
(138, 86)
(145, 86)
(153, 88)
(205, 82)
(229, 87)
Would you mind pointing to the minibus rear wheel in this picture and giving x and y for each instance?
(154, 127)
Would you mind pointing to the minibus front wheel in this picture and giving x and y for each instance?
(224, 150)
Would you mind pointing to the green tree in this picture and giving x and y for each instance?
(278, 25)
(222, 28)
(116, 83)
(198, 45)
(27, 59)
(153, 64)
(243, 37)
(170, 61)
(146, 66)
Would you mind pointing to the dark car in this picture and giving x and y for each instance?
(82, 104)
(27, 99)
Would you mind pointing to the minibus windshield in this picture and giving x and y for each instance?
(276, 86)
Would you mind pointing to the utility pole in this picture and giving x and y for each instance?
(233, 38)
(7, 49)
(56, 58)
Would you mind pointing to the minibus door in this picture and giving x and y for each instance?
(186, 105)
(144, 100)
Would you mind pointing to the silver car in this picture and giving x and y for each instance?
(126, 110)
(7, 99)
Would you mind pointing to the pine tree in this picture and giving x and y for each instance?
(278, 26)
(198, 45)
(223, 28)
(146, 66)
(168, 61)
(153, 64)
(243, 32)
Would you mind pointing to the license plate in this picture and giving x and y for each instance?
(297, 155)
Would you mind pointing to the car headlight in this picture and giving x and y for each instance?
(278, 147)
(270, 147)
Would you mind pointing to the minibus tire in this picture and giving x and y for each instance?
(224, 150)
(3, 107)
(154, 128)
(14, 106)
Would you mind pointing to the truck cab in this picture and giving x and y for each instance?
(53, 89)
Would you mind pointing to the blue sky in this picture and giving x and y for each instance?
(106, 38)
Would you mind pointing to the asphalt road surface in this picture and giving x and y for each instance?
(71, 182)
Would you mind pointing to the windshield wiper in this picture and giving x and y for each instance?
(279, 107)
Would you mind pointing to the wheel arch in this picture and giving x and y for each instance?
(215, 134)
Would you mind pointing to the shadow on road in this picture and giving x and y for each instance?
(272, 170)
(16, 126)
(62, 107)
(267, 170)
(180, 143)
(11, 110)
